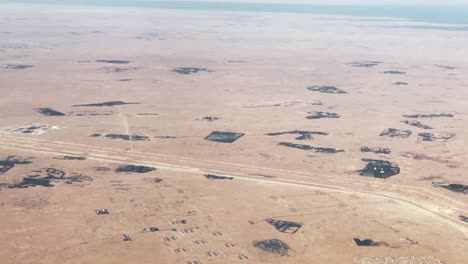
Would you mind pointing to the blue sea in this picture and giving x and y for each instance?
(450, 14)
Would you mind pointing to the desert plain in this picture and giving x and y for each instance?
(336, 139)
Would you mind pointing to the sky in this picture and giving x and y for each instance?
(348, 2)
(319, 2)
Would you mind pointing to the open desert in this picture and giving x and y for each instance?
(139, 135)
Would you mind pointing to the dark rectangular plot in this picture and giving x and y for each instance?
(134, 169)
(368, 243)
(364, 64)
(102, 211)
(109, 103)
(73, 158)
(434, 137)
(303, 134)
(393, 132)
(394, 72)
(164, 137)
(127, 137)
(463, 218)
(284, 226)
(209, 118)
(310, 148)
(18, 66)
(379, 169)
(326, 89)
(416, 124)
(114, 61)
(429, 115)
(189, 70)
(31, 182)
(118, 69)
(49, 112)
(91, 113)
(320, 115)
(446, 67)
(455, 187)
(224, 137)
(217, 177)
(376, 150)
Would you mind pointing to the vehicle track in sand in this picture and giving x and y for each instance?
(232, 169)
(85, 150)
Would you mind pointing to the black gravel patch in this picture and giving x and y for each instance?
(73, 158)
(463, 218)
(321, 115)
(46, 177)
(429, 115)
(164, 137)
(303, 134)
(109, 103)
(284, 226)
(394, 72)
(18, 66)
(118, 69)
(102, 169)
(77, 178)
(91, 113)
(273, 246)
(54, 174)
(126, 237)
(434, 137)
(326, 89)
(368, 243)
(455, 187)
(376, 150)
(393, 132)
(125, 80)
(10, 162)
(264, 175)
(114, 61)
(49, 112)
(151, 229)
(400, 83)
(364, 64)
(209, 118)
(189, 70)
(127, 137)
(224, 137)
(147, 114)
(134, 169)
(381, 169)
(95, 135)
(446, 67)
(310, 148)
(101, 211)
(416, 124)
(32, 182)
(217, 177)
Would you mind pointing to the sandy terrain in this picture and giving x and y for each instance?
(258, 69)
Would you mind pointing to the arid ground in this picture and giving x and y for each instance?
(371, 167)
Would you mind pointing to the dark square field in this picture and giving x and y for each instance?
(224, 137)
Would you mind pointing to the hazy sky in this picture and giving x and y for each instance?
(320, 2)
(374, 2)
